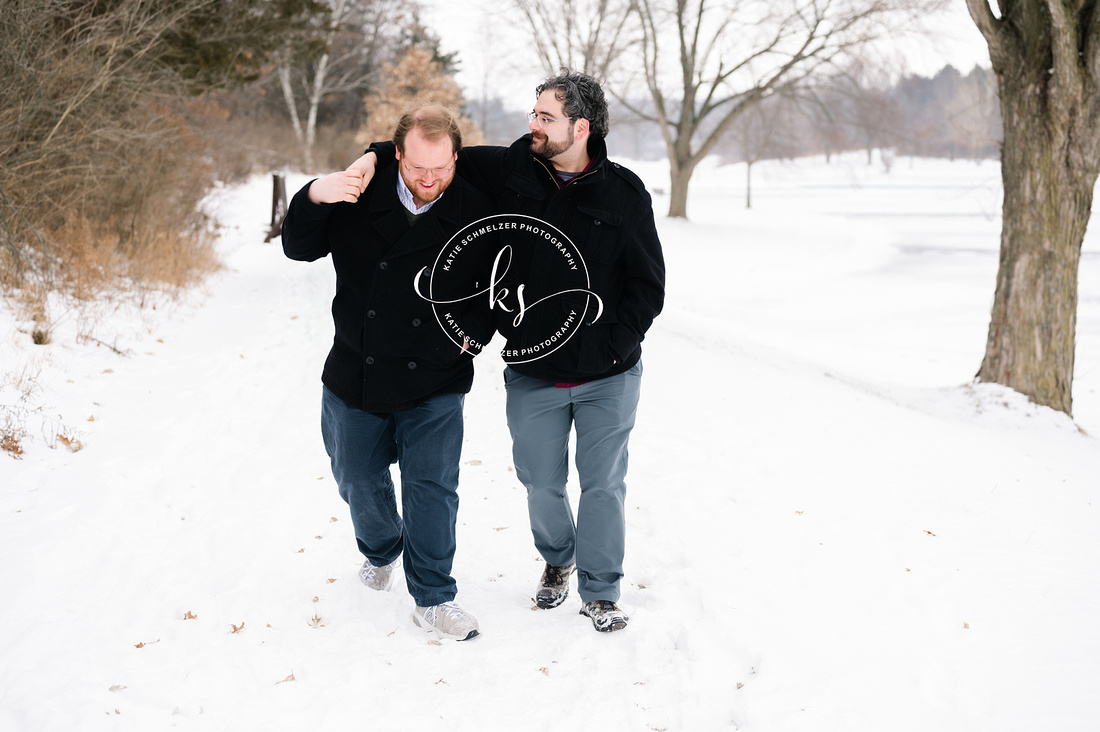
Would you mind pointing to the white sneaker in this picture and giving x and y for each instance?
(378, 578)
(448, 620)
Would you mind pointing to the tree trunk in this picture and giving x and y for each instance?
(288, 97)
(748, 184)
(678, 194)
(1049, 169)
(315, 96)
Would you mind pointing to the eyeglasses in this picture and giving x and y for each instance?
(434, 172)
(543, 121)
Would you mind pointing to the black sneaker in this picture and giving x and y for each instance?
(606, 615)
(554, 586)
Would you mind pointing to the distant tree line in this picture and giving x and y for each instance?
(949, 115)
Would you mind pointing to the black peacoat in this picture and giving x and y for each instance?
(389, 351)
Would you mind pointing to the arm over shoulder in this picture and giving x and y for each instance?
(305, 228)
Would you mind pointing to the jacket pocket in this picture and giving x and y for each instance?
(603, 232)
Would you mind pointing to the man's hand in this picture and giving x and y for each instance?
(335, 187)
(365, 167)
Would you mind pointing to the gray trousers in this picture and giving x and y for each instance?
(540, 417)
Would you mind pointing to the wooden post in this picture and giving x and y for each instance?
(278, 206)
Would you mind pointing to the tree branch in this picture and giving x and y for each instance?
(988, 24)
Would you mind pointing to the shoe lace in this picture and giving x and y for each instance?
(449, 610)
(370, 570)
(556, 575)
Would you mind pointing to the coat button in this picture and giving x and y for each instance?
(371, 313)
(412, 365)
(383, 265)
(416, 322)
(369, 360)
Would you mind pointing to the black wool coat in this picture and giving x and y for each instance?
(389, 351)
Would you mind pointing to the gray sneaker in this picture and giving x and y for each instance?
(606, 615)
(554, 586)
(448, 620)
(378, 578)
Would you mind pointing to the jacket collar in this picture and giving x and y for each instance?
(538, 179)
(597, 153)
(389, 218)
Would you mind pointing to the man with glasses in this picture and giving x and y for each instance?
(394, 383)
(559, 173)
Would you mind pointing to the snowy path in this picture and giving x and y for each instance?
(823, 534)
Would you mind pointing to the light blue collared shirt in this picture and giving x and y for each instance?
(407, 199)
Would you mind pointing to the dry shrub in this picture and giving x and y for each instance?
(100, 174)
(9, 443)
(136, 225)
(417, 79)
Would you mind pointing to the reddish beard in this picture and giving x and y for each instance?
(422, 197)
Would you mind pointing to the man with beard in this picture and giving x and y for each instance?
(394, 382)
(559, 174)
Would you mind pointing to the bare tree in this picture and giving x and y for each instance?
(586, 35)
(868, 105)
(728, 56)
(972, 119)
(764, 132)
(343, 52)
(1046, 57)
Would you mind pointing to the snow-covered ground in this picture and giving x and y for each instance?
(830, 526)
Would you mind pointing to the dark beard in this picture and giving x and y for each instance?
(549, 149)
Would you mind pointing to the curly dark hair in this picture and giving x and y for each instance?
(581, 97)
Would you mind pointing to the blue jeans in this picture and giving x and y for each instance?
(540, 417)
(426, 442)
